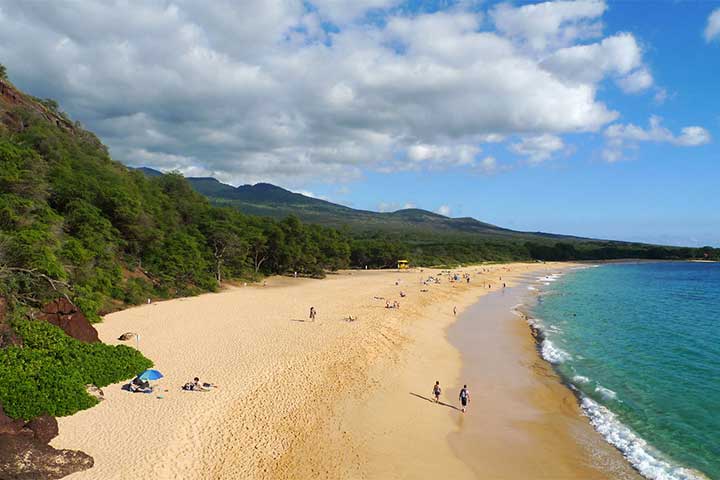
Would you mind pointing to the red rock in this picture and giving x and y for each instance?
(67, 316)
(8, 426)
(44, 428)
(25, 458)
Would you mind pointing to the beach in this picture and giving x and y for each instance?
(333, 398)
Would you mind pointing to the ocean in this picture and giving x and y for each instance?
(640, 344)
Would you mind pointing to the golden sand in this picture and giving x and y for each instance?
(299, 399)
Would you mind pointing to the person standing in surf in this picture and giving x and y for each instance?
(464, 397)
(437, 391)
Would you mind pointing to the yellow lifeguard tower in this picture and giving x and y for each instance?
(403, 264)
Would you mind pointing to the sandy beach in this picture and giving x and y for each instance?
(331, 398)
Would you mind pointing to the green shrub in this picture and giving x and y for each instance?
(49, 372)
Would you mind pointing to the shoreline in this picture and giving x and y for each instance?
(636, 452)
(298, 399)
(523, 402)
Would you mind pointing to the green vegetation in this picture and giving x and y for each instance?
(3, 72)
(49, 372)
(73, 221)
(426, 238)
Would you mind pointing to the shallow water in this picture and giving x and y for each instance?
(641, 344)
(520, 415)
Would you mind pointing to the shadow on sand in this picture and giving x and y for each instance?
(433, 401)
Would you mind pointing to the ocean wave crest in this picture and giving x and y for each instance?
(606, 393)
(580, 379)
(635, 449)
(553, 354)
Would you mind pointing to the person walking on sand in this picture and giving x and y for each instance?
(313, 312)
(464, 397)
(454, 310)
(437, 391)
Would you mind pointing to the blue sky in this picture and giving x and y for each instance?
(581, 117)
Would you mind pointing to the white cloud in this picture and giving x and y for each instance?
(618, 56)
(262, 91)
(661, 96)
(637, 81)
(457, 155)
(444, 210)
(620, 136)
(488, 165)
(538, 148)
(712, 30)
(550, 24)
(394, 206)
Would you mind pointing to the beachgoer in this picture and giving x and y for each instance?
(437, 391)
(140, 386)
(196, 386)
(313, 312)
(454, 310)
(464, 397)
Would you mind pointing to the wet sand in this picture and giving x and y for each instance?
(520, 414)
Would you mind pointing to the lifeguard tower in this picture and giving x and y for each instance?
(403, 264)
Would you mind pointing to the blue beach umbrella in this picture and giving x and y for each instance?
(150, 375)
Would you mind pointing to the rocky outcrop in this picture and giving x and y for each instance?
(25, 458)
(26, 455)
(8, 426)
(67, 316)
(44, 428)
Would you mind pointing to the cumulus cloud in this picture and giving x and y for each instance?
(712, 30)
(619, 136)
(444, 210)
(618, 56)
(538, 148)
(550, 24)
(267, 91)
(393, 206)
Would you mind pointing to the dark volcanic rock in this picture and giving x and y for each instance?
(65, 315)
(25, 458)
(44, 428)
(8, 426)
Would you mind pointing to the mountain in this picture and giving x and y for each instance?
(269, 200)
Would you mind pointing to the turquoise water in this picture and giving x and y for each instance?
(641, 344)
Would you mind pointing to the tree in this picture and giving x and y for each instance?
(3, 72)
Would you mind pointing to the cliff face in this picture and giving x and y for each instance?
(11, 98)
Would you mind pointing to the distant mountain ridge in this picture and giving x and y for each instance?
(270, 200)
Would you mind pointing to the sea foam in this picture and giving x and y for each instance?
(606, 393)
(553, 354)
(636, 450)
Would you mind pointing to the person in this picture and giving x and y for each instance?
(454, 310)
(464, 397)
(139, 385)
(196, 386)
(312, 313)
(437, 391)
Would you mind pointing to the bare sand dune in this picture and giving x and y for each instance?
(296, 399)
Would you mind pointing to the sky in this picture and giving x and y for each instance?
(589, 117)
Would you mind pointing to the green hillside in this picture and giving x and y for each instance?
(272, 201)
